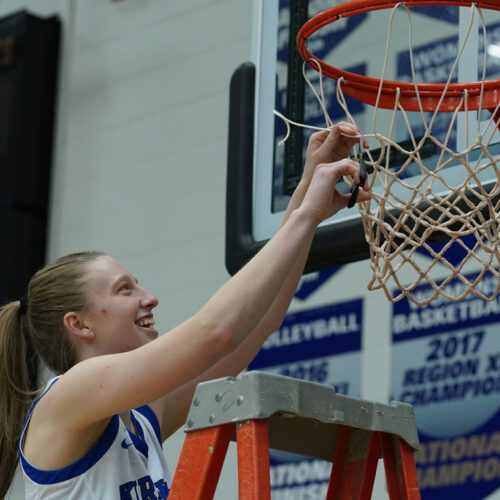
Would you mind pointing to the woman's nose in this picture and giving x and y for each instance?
(149, 299)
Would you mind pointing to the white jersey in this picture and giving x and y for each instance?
(120, 466)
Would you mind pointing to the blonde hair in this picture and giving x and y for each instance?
(37, 330)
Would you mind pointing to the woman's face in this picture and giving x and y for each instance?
(120, 312)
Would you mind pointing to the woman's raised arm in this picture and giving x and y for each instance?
(324, 147)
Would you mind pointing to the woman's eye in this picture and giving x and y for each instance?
(124, 288)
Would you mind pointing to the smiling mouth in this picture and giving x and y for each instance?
(146, 323)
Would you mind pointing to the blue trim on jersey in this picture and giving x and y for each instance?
(28, 417)
(80, 466)
(49, 385)
(153, 420)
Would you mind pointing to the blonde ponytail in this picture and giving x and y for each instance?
(15, 394)
(36, 331)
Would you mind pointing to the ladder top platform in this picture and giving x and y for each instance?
(304, 414)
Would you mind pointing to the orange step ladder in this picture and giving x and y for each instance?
(261, 411)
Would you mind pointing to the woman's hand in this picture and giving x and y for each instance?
(328, 146)
(322, 200)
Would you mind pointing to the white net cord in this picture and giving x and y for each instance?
(408, 214)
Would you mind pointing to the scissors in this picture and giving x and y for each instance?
(362, 178)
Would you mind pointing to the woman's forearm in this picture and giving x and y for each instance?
(240, 305)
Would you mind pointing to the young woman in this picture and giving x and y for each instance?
(96, 430)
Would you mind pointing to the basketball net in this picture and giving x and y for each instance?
(406, 213)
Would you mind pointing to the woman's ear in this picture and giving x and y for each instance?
(76, 325)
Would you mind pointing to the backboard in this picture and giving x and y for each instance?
(262, 174)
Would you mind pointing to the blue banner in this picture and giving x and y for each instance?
(441, 12)
(313, 334)
(446, 363)
(326, 39)
(321, 345)
(433, 63)
(311, 282)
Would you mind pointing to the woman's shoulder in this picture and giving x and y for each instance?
(47, 442)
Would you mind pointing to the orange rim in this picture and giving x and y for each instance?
(366, 88)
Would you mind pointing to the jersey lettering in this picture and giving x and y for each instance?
(126, 491)
(162, 488)
(144, 489)
(147, 488)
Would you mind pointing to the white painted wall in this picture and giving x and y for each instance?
(140, 162)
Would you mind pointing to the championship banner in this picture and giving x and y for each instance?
(322, 345)
(446, 363)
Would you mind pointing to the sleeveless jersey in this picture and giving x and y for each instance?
(121, 465)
